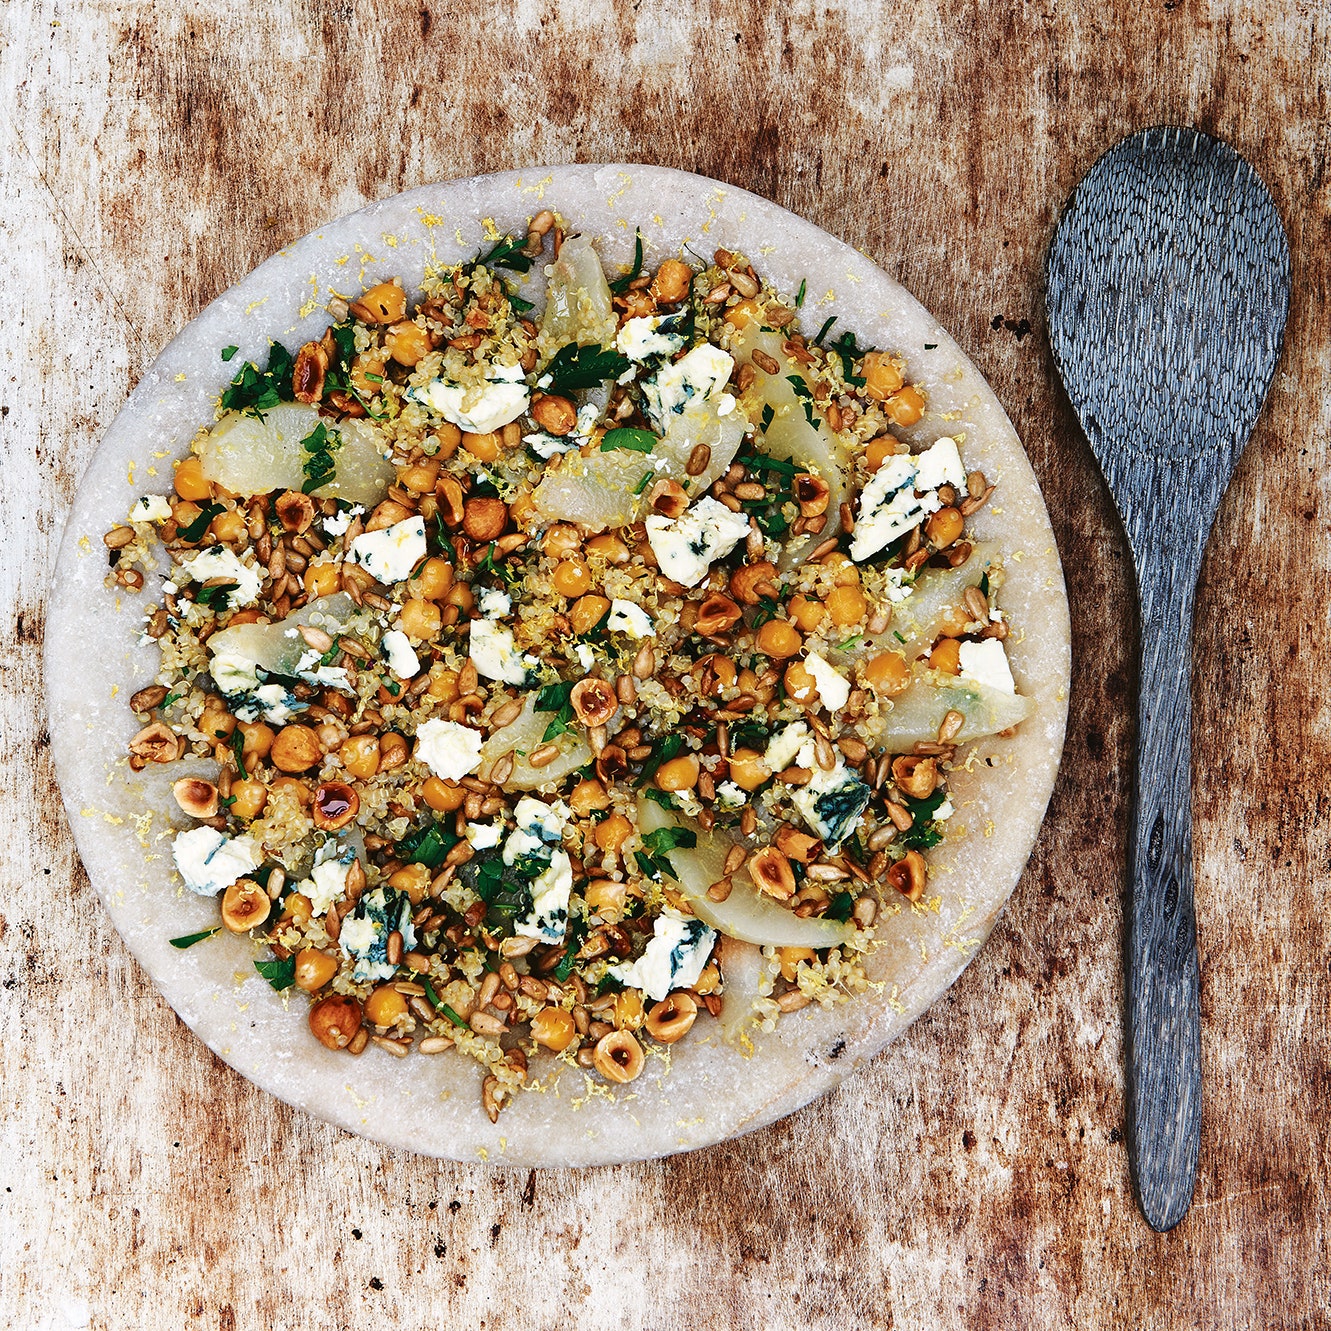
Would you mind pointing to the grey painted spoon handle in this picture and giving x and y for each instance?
(1164, 1021)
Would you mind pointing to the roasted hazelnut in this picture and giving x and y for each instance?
(295, 511)
(672, 1018)
(716, 615)
(811, 494)
(156, 743)
(909, 875)
(796, 845)
(771, 873)
(307, 376)
(748, 585)
(196, 797)
(555, 415)
(245, 906)
(335, 805)
(915, 777)
(667, 498)
(484, 519)
(618, 1056)
(594, 702)
(296, 749)
(335, 1020)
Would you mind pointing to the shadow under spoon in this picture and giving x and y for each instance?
(1168, 287)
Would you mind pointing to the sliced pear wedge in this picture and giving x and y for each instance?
(745, 914)
(522, 737)
(917, 713)
(577, 307)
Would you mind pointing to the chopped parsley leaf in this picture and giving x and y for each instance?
(427, 845)
(280, 973)
(575, 367)
(823, 331)
(188, 940)
(210, 596)
(555, 698)
(635, 441)
(802, 392)
(256, 391)
(508, 254)
(920, 835)
(228, 352)
(621, 284)
(318, 465)
(196, 529)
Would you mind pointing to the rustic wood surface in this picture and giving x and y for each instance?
(975, 1176)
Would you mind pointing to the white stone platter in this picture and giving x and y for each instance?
(707, 1091)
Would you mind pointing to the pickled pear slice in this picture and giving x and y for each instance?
(745, 914)
(811, 447)
(603, 490)
(249, 456)
(578, 307)
(277, 648)
(917, 713)
(522, 736)
(742, 966)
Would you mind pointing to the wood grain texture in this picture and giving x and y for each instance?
(975, 1176)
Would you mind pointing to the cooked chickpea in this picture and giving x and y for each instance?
(407, 343)
(612, 832)
(444, 686)
(882, 448)
(435, 579)
(334, 1020)
(229, 527)
(629, 1011)
(846, 605)
(248, 798)
(216, 723)
(314, 969)
(322, 578)
(947, 656)
(779, 639)
(393, 751)
(747, 769)
(743, 314)
(790, 958)
(605, 895)
(805, 614)
(385, 303)
(296, 749)
(561, 541)
(906, 408)
(554, 1028)
(483, 447)
(944, 527)
(421, 620)
(385, 1006)
(799, 682)
(190, 482)
(421, 477)
(258, 739)
(887, 674)
(882, 376)
(462, 596)
(679, 773)
(587, 612)
(442, 796)
(302, 792)
(588, 795)
(571, 578)
(413, 879)
(360, 756)
(610, 548)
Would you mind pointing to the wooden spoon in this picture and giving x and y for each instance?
(1168, 287)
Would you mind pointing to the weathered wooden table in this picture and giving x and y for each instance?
(976, 1175)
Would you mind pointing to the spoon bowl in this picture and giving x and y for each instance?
(1168, 289)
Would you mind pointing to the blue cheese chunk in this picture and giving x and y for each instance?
(480, 407)
(702, 375)
(493, 603)
(889, 507)
(210, 862)
(390, 554)
(676, 953)
(833, 686)
(686, 546)
(402, 660)
(832, 803)
(986, 663)
(629, 617)
(785, 745)
(336, 524)
(653, 335)
(365, 931)
(485, 836)
(535, 844)
(940, 465)
(327, 883)
(151, 508)
(449, 749)
(219, 562)
(496, 656)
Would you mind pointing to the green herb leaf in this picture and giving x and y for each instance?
(842, 904)
(897, 635)
(850, 642)
(670, 838)
(621, 284)
(850, 351)
(188, 940)
(823, 331)
(427, 845)
(768, 416)
(555, 698)
(661, 797)
(984, 584)
(280, 973)
(196, 529)
(452, 1016)
(804, 394)
(228, 352)
(238, 748)
(655, 867)
(256, 391)
(761, 462)
(567, 962)
(920, 835)
(429, 992)
(575, 367)
(667, 749)
(635, 441)
(799, 295)
(508, 254)
(210, 596)
(519, 305)
(644, 483)
(318, 465)
(931, 346)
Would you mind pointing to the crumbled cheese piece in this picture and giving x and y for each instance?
(550, 892)
(900, 584)
(219, 562)
(402, 660)
(586, 654)
(889, 507)
(538, 825)
(546, 445)
(210, 862)
(336, 524)
(731, 796)
(702, 374)
(493, 603)
(151, 508)
(833, 687)
(588, 414)
(832, 803)
(450, 750)
(940, 465)
(629, 617)
(784, 745)
(327, 883)
(537, 837)
(653, 335)
(986, 663)
(478, 408)
(483, 836)
(389, 555)
(495, 654)
(676, 954)
(686, 546)
(364, 933)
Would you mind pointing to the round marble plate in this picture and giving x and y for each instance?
(708, 1090)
